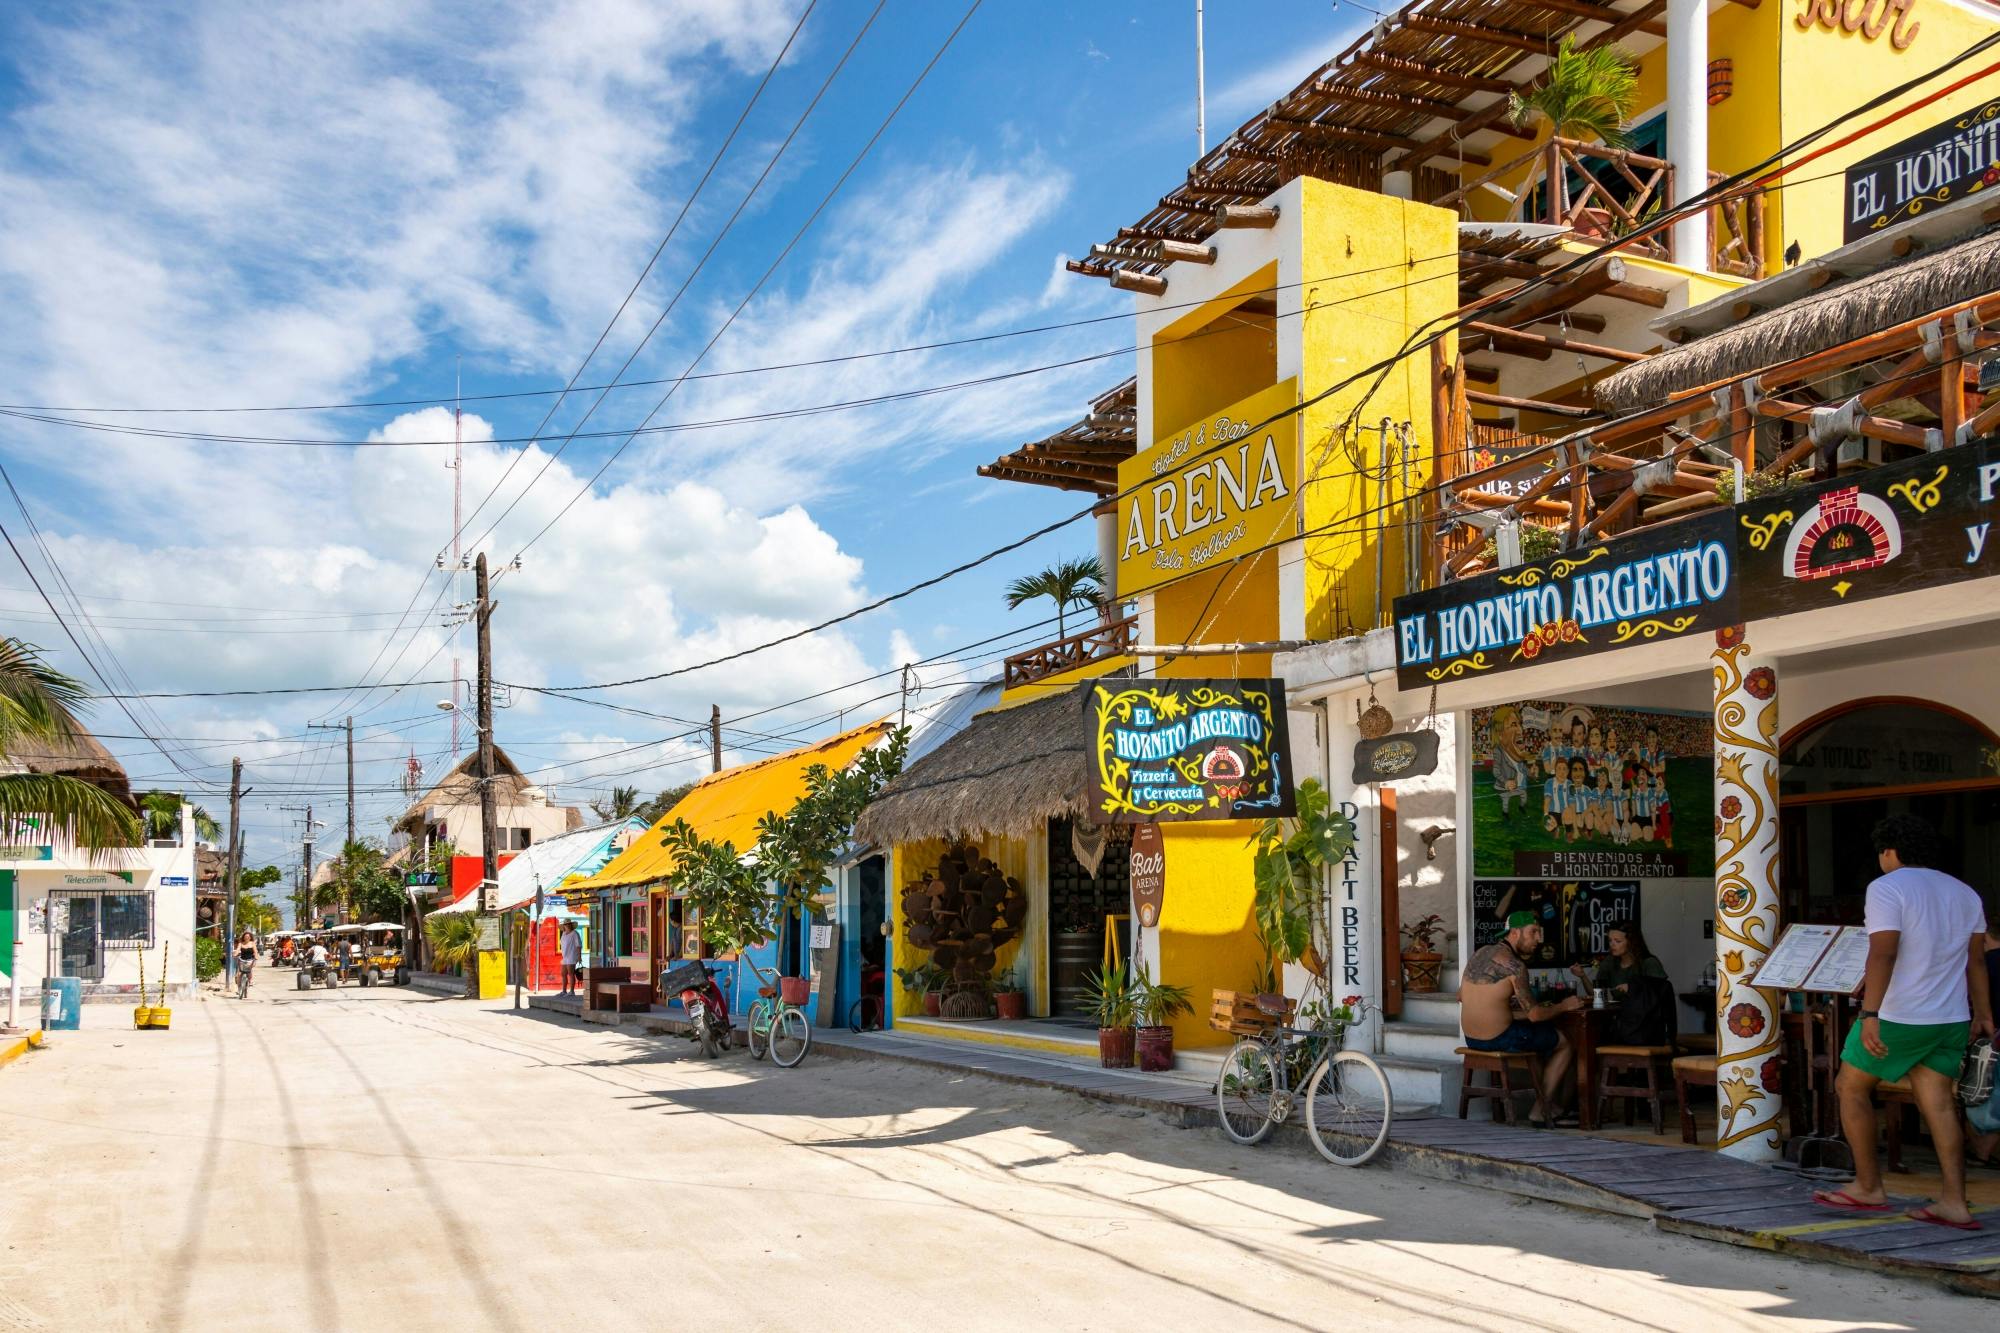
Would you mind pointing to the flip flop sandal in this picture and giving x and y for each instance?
(1926, 1215)
(1842, 1201)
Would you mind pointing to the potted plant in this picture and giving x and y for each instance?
(1155, 1005)
(1010, 997)
(1109, 995)
(1422, 963)
(925, 981)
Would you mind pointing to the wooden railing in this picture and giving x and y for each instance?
(1596, 210)
(1102, 640)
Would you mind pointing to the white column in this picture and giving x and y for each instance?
(1107, 556)
(1356, 882)
(1687, 123)
(1747, 1083)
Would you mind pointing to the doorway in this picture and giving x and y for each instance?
(1081, 902)
(1847, 769)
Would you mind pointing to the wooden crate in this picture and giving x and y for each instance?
(1237, 1012)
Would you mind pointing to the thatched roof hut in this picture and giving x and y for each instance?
(82, 757)
(1005, 775)
(1836, 314)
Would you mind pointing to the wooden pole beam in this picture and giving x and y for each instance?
(1412, 69)
(1597, 13)
(1552, 342)
(1247, 215)
(1151, 284)
(1313, 129)
(1527, 404)
(1428, 106)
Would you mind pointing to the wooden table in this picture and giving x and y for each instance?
(1585, 1029)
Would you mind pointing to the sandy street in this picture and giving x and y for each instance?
(388, 1159)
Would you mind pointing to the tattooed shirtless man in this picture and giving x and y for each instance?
(1498, 1013)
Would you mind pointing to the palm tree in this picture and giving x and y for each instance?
(1587, 95)
(622, 803)
(1068, 583)
(162, 812)
(454, 938)
(38, 708)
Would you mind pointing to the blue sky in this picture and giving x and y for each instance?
(235, 204)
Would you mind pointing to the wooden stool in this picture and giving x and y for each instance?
(1501, 1087)
(1695, 1043)
(1653, 1061)
(1895, 1095)
(1691, 1071)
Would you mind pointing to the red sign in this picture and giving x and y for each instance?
(1149, 873)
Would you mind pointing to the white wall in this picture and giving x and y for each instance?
(173, 916)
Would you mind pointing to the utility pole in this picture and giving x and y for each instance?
(233, 870)
(348, 727)
(488, 833)
(715, 738)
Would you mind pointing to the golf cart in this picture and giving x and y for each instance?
(382, 959)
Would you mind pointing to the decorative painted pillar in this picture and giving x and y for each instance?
(1748, 1082)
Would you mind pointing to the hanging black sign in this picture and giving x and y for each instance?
(1895, 528)
(1924, 172)
(1187, 749)
(1676, 581)
(1409, 754)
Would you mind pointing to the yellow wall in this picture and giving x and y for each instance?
(908, 862)
(1063, 680)
(1213, 356)
(1351, 323)
(1206, 936)
(1242, 609)
(1826, 73)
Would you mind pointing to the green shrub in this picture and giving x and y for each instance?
(207, 958)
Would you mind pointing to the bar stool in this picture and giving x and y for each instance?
(1894, 1095)
(1501, 1065)
(1691, 1071)
(1653, 1061)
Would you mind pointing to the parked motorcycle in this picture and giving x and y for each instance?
(702, 1000)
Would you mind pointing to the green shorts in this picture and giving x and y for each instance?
(1939, 1046)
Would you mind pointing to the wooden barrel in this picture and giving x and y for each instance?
(1076, 955)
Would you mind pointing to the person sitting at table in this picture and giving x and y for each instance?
(1628, 960)
(1498, 1013)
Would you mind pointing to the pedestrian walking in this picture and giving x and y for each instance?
(1924, 999)
(571, 943)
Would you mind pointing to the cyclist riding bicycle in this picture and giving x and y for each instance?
(246, 961)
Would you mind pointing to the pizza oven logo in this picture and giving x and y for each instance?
(1845, 533)
(1225, 768)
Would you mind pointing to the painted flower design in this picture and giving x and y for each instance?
(1746, 1020)
(1570, 631)
(1531, 647)
(1735, 899)
(1550, 633)
(1772, 1075)
(1732, 806)
(1762, 683)
(1729, 636)
(1732, 961)
(1991, 176)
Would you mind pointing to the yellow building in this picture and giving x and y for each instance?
(1285, 294)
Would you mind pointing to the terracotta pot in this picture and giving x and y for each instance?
(1422, 972)
(1156, 1049)
(933, 1003)
(795, 990)
(1114, 1047)
(1011, 1003)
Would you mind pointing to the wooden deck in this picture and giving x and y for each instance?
(1689, 1191)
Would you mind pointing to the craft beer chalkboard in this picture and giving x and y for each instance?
(1576, 915)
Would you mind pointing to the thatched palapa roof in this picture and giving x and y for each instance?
(82, 757)
(1836, 314)
(1007, 774)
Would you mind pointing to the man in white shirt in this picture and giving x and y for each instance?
(1923, 1000)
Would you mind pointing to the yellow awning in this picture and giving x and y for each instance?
(725, 807)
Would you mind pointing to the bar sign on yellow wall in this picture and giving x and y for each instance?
(1219, 488)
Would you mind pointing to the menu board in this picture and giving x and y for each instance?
(1798, 951)
(1845, 965)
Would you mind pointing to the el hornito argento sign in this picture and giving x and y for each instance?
(1924, 172)
(1220, 488)
(1903, 527)
(1187, 749)
(1677, 581)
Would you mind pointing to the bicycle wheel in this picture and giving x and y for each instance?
(758, 1029)
(790, 1037)
(1348, 1108)
(865, 1014)
(1245, 1091)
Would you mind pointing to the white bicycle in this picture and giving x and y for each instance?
(1346, 1095)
